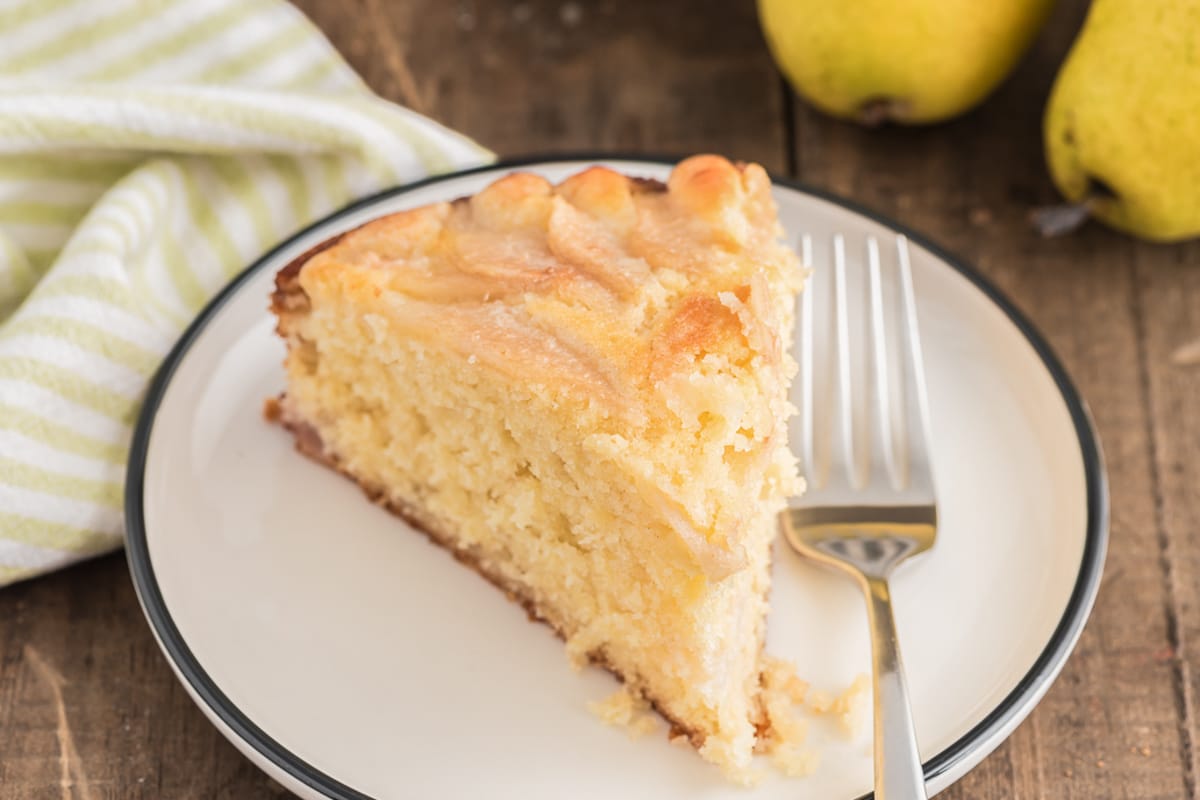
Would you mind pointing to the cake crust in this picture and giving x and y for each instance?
(518, 274)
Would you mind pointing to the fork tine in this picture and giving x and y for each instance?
(881, 457)
(843, 427)
(917, 473)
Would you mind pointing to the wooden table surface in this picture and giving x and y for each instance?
(88, 707)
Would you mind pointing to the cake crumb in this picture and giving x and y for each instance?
(782, 693)
(625, 708)
(795, 762)
(820, 702)
(783, 741)
(271, 410)
(720, 753)
(643, 725)
(849, 707)
(780, 676)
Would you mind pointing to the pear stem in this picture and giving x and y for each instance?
(878, 110)
(1060, 220)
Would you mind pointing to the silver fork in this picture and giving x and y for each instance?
(870, 502)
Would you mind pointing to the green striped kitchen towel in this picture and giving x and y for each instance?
(149, 150)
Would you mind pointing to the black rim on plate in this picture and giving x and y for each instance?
(1050, 660)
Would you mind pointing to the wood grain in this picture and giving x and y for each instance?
(557, 76)
(89, 709)
(85, 694)
(1167, 313)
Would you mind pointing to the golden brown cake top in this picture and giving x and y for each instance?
(652, 316)
(604, 285)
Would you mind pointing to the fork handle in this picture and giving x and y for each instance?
(898, 772)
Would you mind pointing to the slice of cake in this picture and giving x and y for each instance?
(581, 391)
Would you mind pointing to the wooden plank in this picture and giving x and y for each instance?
(555, 76)
(1110, 727)
(88, 707)
(1167, 305)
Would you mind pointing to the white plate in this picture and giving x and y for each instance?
(349, 658)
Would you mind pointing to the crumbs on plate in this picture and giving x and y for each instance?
(625, 709)
(789, 705)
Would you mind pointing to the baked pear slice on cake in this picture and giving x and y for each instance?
(581, 391)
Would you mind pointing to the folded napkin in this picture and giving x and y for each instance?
(150, 150)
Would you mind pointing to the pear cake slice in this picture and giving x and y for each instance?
(581, 391)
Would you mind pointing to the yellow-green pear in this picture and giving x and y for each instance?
(906, 61)
(1123, 124)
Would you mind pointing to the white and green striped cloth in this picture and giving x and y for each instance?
(149, 150)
